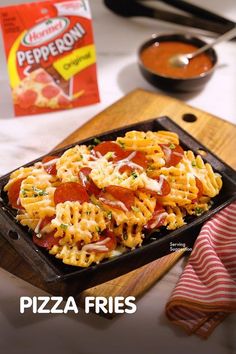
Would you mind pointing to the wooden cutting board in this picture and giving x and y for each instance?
(215, 133)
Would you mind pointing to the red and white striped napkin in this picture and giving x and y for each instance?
(206, 291)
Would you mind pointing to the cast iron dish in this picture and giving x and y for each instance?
(171, 83)
(155, 246)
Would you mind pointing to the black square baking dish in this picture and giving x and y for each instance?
(75, 279)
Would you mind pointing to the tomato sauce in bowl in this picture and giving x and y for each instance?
(157, 59)
(154, 62)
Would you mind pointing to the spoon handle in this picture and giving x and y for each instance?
(226, 36)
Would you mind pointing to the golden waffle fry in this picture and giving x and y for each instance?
(128, 226)
(26, 220)
(147, 143)
(71, 255)
(106, 173)
(183, 187)
(69, 164)
(140, 213)
(165, 137)
(24, 172)
(175, 218)
(211, 181)
(135, 140)
(76, 222)
(199, 207)
(36, 196)
(130, 234)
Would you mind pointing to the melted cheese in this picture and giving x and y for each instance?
(114, 203)
(98, 246)
(152, 184)
(158, 219)
(36, 230)
(51, 162)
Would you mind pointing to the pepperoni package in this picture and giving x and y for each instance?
(51, 55)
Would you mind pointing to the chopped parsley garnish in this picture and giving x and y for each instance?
(73, 179)
(198, 165)
(39, 192)
(210, 203)
(198, 211)
(172, 146)
(125, 236)
(80, 158)
(64, 226)
(90, 147)
(98, 229)
(121, 144)
(150, 169)
(134, 208)
(96, 141)
(24, 192)
(134, 175)
(109, 155)
(109, 215)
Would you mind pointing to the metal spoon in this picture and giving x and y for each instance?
(181, 60)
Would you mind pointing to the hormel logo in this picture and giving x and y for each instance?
(72, 5)
(45, 31)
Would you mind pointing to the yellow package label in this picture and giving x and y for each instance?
(73, 63)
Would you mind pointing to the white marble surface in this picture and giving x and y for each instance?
(23, 139)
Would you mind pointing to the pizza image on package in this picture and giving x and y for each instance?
(39, 89)
(51, 55)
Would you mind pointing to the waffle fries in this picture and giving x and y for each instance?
(94, 201)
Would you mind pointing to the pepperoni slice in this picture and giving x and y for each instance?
(137, 157)
(50, 91)
(50, 168)
(70, 191)
(84, 173)
(87, 182)
(122, 194)
(63, 101)
(27, 98)
(110, 244)
(110, 201)
(13, 194)
(125, 168)
(200, 189)
(173, 154)
(158, 218)
(108, 146)
(45, 222)
(47, 240)
(165, 188)
(43, 78)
